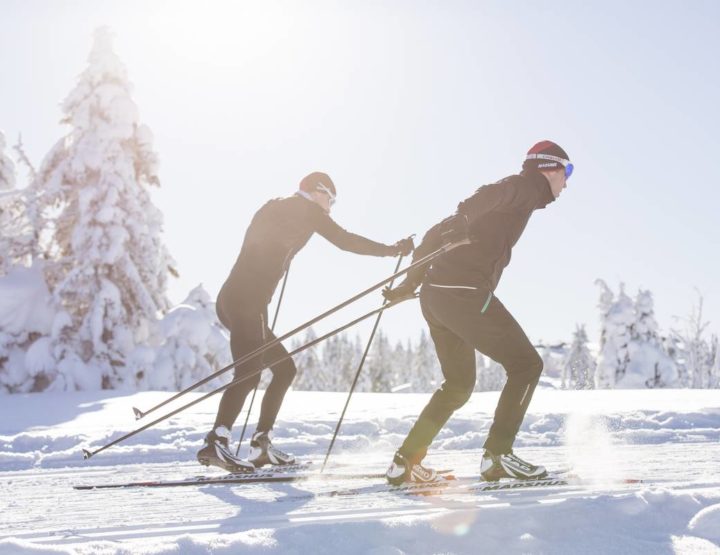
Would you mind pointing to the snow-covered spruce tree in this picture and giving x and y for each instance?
(7, 167)
(26, 318)
(7, 206)
(111, 267)
(402, 357)
(648, 364)
(25, 314)
(379, 368)
(491, 375)
(309, 364)
(714, 381)
(553, 357)
(616, 322)
(426, 374)
(579, 365)
(694, 348)
(339, 361)
(14, 236)
(188, 344)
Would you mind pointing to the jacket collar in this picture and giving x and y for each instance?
(541, 184)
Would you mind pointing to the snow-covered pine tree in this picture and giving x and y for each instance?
(379, 365)
(616, 322)
(402, 365)
(491, 375)
(579, 365)
(7, 167)
(309, 364)
(111, 267)
(648, 364)
(7, 206)
(189, 343)
(695, 349)
(553, 357)
(16, 236)
(714, 381)
(339, 362)
(674, 346)
(25, 315)
(426, 374)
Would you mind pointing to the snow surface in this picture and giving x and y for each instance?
(669, 438)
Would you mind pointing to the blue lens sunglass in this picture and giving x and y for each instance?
(567, 164)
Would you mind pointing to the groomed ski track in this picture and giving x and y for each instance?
(670, 439)
(139, 514)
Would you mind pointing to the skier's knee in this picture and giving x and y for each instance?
(456, 395)
(284, 373)
(536, 365)
(528, 366)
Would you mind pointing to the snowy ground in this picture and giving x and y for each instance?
(669, 438)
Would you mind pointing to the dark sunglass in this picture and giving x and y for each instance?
(569, 170)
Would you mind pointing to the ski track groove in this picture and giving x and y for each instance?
(39, 505)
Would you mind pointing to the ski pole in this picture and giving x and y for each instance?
(424, 260)
(357, 375)
(272, 328)
(87, 454)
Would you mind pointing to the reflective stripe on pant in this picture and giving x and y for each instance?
(458, 327)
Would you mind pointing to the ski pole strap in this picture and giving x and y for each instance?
(87, 454)
(242, 360)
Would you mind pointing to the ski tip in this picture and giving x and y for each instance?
(86, 454)
(138, 413)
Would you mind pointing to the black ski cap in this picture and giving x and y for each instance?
(547, 148)
(317, 181)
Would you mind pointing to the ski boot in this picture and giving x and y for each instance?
(402, 470)
(216, 452)
(263, 452)
(508, 465)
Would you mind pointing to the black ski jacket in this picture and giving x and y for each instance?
(497, 215)
(276, 233)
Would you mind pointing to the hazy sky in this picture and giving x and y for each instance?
(410, 106)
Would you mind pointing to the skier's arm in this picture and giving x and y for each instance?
(351, 242)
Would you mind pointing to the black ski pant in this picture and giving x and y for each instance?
(461, 321)
(247, 322)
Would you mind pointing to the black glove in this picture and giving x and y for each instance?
(406, 289)
(404, 246)
(454, 229)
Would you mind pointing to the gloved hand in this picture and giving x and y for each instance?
(405, 289)
(404, 246)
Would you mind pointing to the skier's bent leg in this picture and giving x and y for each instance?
(457, 360)
(523, 375)
(232, 401)
(246, 335)
(283, 374)
(444, 402)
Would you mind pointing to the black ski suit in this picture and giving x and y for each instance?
(463, 314)
(276, 233)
